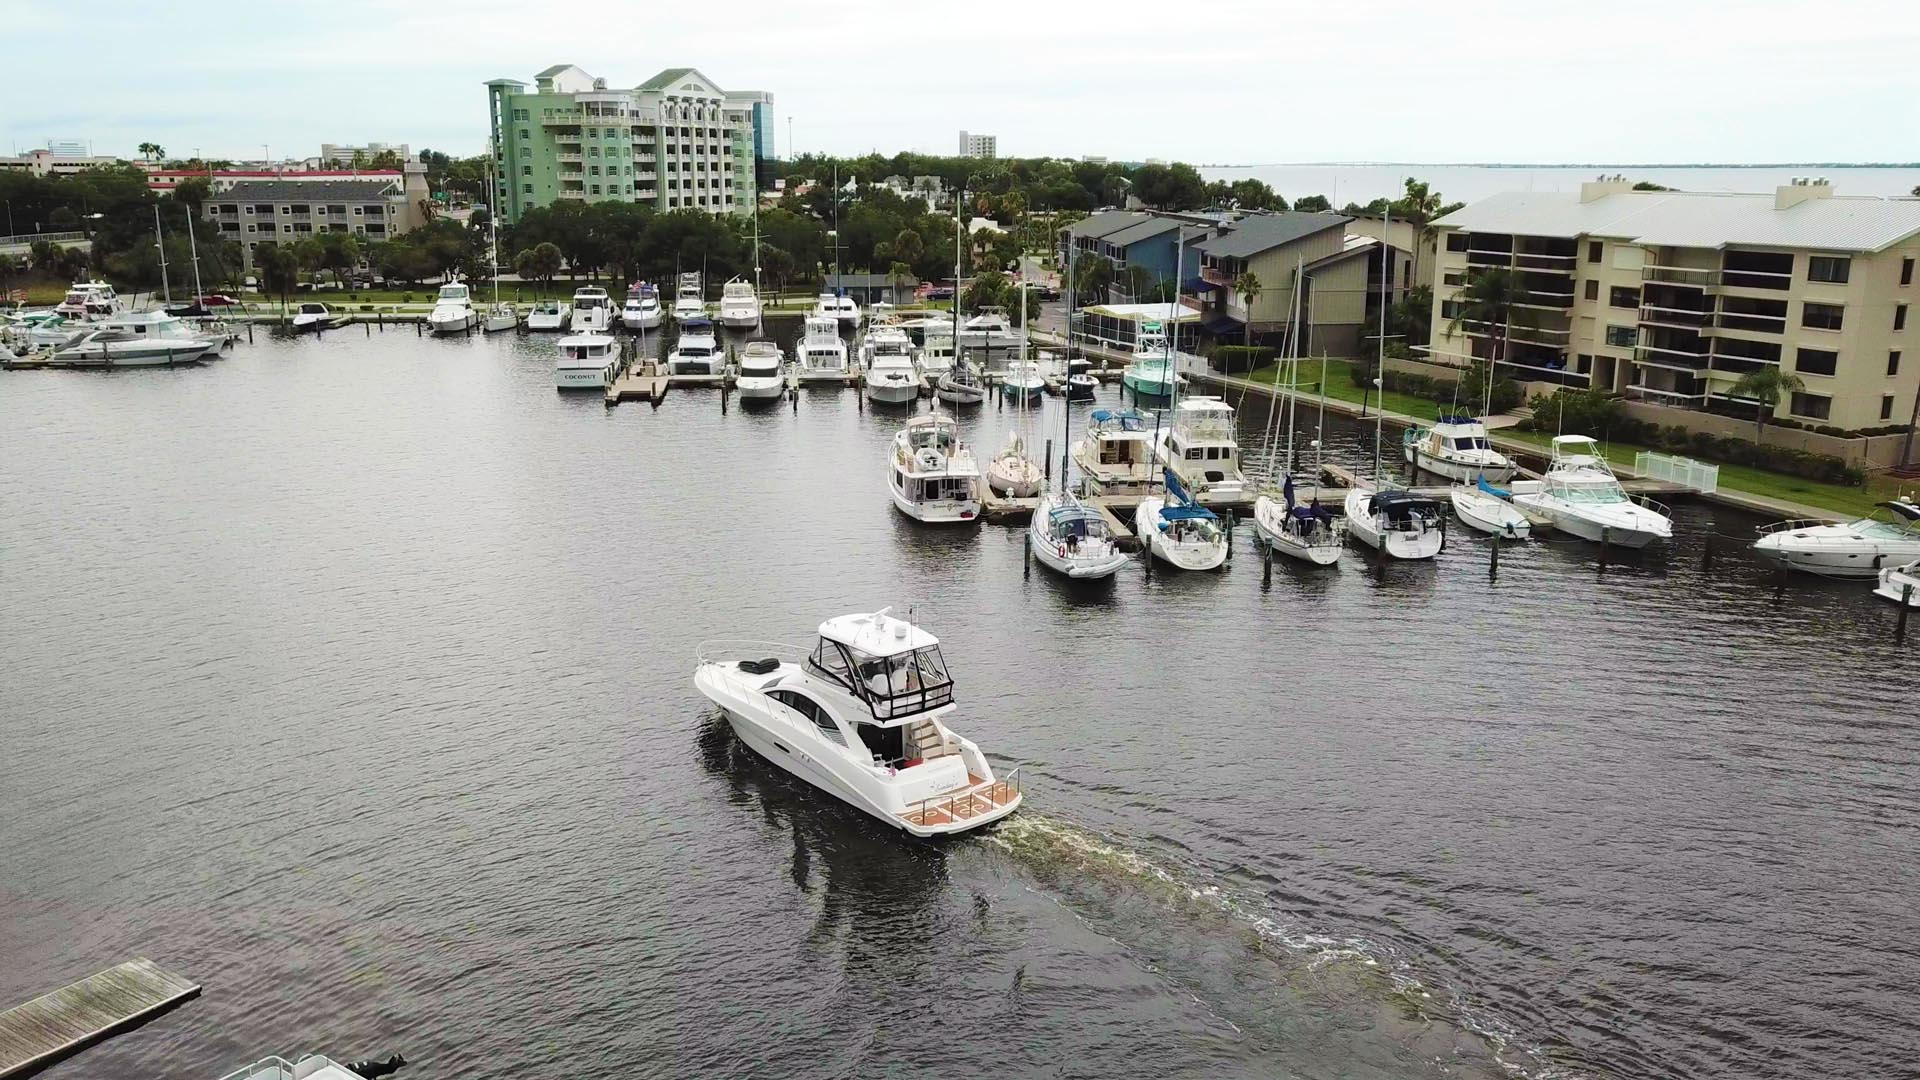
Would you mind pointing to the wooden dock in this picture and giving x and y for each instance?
(1117, 510)
(645, 380)
(55, 1026)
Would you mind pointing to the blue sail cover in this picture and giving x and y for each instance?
(1187, 512)
(1491, 490)
(1176, 492)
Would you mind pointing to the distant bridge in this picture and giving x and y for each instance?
(22, 243)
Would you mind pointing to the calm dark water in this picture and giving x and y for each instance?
(351, 677)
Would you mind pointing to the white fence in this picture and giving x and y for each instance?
(1686, 472)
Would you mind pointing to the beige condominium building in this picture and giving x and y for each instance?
(1669, 297)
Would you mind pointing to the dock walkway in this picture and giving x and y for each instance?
(53, 1027)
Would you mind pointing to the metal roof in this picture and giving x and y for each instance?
(1145, 230)
(1106, 223)
(1696, 219)
(552, 71)
(1256, 233)
(660, 81)
(309, 191)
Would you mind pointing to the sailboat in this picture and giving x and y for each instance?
(499, 315)
(1309, 533)
(960, 383)
(1012, 472)
(1066, 535)
(1179, 530)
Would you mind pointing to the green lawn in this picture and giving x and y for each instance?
(1340, 388)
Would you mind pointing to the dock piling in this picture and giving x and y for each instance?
(1706, 557)
(1493, 567)
(1266, 566)
(1046, 463)
(1606, 546)
(1026, 559)
(1906, 605)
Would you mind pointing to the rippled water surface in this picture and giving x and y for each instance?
(352, 678)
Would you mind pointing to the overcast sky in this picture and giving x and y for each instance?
(1225, 82)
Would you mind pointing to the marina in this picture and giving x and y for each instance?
(57, 1025)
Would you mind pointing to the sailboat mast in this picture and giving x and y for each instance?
(1293, 380)
(1380, 365)
(1073, 302)
(959, 354)
(193, 250)
(493, 235)
(160, 242)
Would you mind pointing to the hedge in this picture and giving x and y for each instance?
(1239, 359)
(1445, 393)
(1590, 412)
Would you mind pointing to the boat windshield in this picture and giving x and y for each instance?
(1588, 492)
(1873, 528)
(892, 686)
(1470, 442)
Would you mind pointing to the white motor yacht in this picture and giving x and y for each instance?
(931, 474)
(89, 300)
(862, 717)
(315, 1067)
(1579, 495)
(936, 350)
(697, 350)
(821, 354)
(885, 337)
(1022, 382)
(1199, 445)
(1116, 456)
(549, 315)
(592, 311)
(1456, 447)
(1855, 549)
(762, 375)
(1012, 472)
(642, 310)
(313, 315)
(689, 302)
(1485, 508)
(989, 328)
(100, 347)
(171, 329)
(44, 327)
(739, 305)
(1900, 584)
(841, 309)
(1398, 524)
(1069, 537)
(1179, 530)
(1153, 369)
(586, 362)
(452, 311)
(891, 376)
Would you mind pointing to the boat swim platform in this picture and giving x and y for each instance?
(57, 1025)
(978, 799)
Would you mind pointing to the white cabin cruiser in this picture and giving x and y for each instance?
(697, 351)
(315, 1067)
(313, 315)
(885, 337)
(1458, 448)
(1200, 447)
(863, 718)
(642, 310)
(161, 326)
(762, 375)
(989, 329)
(1023, 382)
(1580, 496)
(1116, 456)
(1398, 524)
(452, 311)
(936, 350)
(1485, 508)
(739, 305)
(1900, 584)
(549, 315)
(100, 347)
(1179, 530)
(1309, 533)
(840, 308)
(891, 377)
(592, 310)
(89, 300)
(821, 354)
(689, 302)
(1853, 549)
(586, 362)
(1012, 472)
(1069, 537)
(931, 474)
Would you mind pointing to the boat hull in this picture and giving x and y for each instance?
(1077, 567)
(1899, 584)
(444, 324)
(1461, 472)
(739, 320)
(754, 389)
(1183, 556)
(1147, 385)
(1859, 561)
(1485, 513)
(961, 395)
(1270, 522)
(1407, 545)
(892, 393)
(641, 322)
(497, 323)
(700, 366)
(582, 379)
(1586, 528)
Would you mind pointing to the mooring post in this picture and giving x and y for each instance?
(381, 318)
(1266, 566)
(1606, 546)
(1026, 554)
(1706, 557)
(1779, 581)
(1493, 567)
(1229, 536)
(1046, 463)
(723, 395)
(794, 393)
(368, 326)
(1906, 605)
(1443, 532)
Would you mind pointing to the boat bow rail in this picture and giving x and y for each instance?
(733, 650)
(1790, 525)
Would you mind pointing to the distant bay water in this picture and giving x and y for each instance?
(1365, 181)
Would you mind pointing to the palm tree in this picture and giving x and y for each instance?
(1418, 207)
(1489, 298)
(152, 151)
(1247, 287)
(1766, 386)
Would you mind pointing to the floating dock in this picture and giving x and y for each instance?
(55, 1026)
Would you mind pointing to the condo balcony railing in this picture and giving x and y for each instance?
(1750, 322)
(1675, 359)
(1538, 335)
(1755, 279)
(1537, 298)
(570, 155)
(1664, 397)
(1668, 316)
(1681, 275)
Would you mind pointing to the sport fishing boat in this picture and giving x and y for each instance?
(1580, 496)
(1069, 537)
(863, 717)
(642, 310)
(1116, 456)
(1012, 472)
(592, 310)
(1485, 508)
(761, 376)
(1456, 447)
(586, 362)
(452, 311)
(931, 474)
(821, 354)
(1398, 524)
(739, 305)
(549, 315)
(697, 351)
(1199, 445)
(1151, 371)
(1179, 530)
(1022, 382)
(1855, 549)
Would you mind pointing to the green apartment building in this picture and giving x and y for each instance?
(675, 142)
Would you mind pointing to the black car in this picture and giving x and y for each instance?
(1049, 293)
(941, 293)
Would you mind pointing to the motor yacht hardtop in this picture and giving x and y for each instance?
(592, 310)
(821, 354)
(931, 474)
(689, 302)
(1199, 445)
(586, 362)
(838, 307)
(1579, 495)
(891, 375)
(697, 351)
(1852, 549)
(739, 305)
(863, 717)
(762, 375)
(642, 310)
(452, 311)
(1458, 448)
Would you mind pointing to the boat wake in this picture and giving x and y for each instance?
(1139, 900)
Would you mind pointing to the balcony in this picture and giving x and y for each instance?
(560, 117)
(573, 193)
(1664, 397)
(1672, 359)
(1688, 276)
(1537, 335)
(1751, 323)
(647, 177)
(643, 158)
(1686, 318)
(1755, 279)
(570, 155)
(1534, 298)
(1552, 264)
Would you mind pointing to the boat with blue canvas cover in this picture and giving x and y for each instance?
(1069, 537)
(1309, 532)
(1486, 509)
(1179, 530)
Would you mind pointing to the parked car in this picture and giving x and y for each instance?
(940, 292)
(1048, 292)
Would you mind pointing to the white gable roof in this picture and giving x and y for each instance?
(1696, 219)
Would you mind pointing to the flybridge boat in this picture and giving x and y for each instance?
(862, 717)
(1069, 537)
(1457, 448)
(891, 375)
(1200, 447)
(1580, 496)
(1399, 524)
(642, 311)
(932, 475)
(586, 362)
(592, 310)
(841, 309)
(689, 302)
(89, 300)
(739, 305)
(936, 349)
(1151, 371)
(1116, 457)
(1180, 530)
(697, 352)
(1854, 549)
(821, 354)
(452, 311)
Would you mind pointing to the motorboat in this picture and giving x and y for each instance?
(689, 301)
(697, 350)
(891, 378)
(452, 311)
(592, 311)
(34, 328)
(1308, 532)
(312, 315)
(1398, 524)
(1485, 508)
(1081, 386)
(1012, 472)
(1854, 549)
(88, 300)
(1199, 445)
(586, 362)
(549, 315)
(1069, 537)
(1579, 495)
(932, 474)
(101, 347)
(838, 307)
(821, 354)
(1900, 584)
(960, 384)
(642, 310)
(988, 329)
(1116, 456)
(936, 350)
(500, 315)
(885, 337)
(1180, 531)
(863, 717)
(762, 375)
(1456, 447)
(1151, 371)
(1022, 382)
(163, 327)
(316, 1067)
(739, 305)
